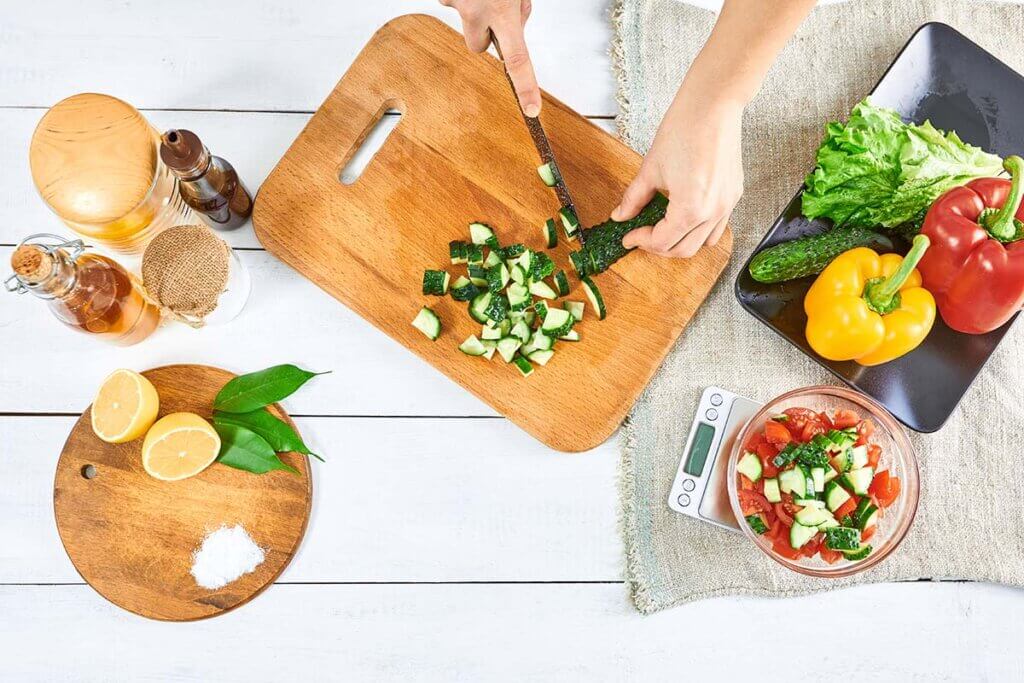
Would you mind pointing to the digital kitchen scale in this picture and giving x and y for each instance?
(699, 489)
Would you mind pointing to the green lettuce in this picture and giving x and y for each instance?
(875, 170)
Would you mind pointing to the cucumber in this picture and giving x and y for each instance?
(842, 538)
(526, 261)
(750, 466)
(490, 347)
(860, 456)
(497, 277)
(493, 259)
(818, 475)
(809, 255)
(463, 290)
(427, 322)
(809, 503)
(866, 514)
(523, 366)
(576, 308)
(540, 342)
(570, 223)
(579, 263)
(481, 233)
(473, 346)
(812, 516)
(594, 294)
(478, 275)
(561, 283)
(518, 297)
(757, 524)
(835, 496)
(858, 554)
(521, 331)
(497, 309)
(844, 461)
(549, 173)
(570, 336)
(436, 282)
(542, 289)
(458, 252)
(507, 347)
(603, 243)
(513, 251)
(550, 233)
(541, 308)
(771, 490)
(478, 306)
(800, 534)
(541, 356)
(518, 274)
(858, 481)
(557, 322)
(474, 254)
(793, 482)
(491, 333)
(541, 266)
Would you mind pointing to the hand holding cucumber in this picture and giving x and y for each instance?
(506, 19)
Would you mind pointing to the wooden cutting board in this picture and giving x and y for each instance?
(461, 153)
(131, 536)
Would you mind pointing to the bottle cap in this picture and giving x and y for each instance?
(31, 263)
(93, 158)
(182, 151)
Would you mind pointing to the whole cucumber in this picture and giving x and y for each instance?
(810, 254)
(603, 242)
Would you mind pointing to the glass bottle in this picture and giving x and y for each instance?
(85, 291)
(96, 164)
(207, 183)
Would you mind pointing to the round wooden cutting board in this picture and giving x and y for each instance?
(132, 537)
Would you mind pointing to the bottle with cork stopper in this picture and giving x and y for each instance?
(85, 291)
(207, 183)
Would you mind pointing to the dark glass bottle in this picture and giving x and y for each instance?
(207, 183)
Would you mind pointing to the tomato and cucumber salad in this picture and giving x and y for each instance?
(812, 484)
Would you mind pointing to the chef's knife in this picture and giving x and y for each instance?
(540, 141)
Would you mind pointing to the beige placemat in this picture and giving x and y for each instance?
(971, 513)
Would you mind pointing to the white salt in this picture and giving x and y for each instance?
(225, 555)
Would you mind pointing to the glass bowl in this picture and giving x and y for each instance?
(897, 456)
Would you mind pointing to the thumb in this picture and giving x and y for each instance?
(634, 199)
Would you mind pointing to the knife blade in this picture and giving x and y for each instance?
(540, 142)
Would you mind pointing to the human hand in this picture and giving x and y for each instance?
(506, 18)
(696, 161)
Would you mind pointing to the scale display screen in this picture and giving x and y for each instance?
(699, 450)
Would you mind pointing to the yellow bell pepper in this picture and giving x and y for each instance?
(869, 308)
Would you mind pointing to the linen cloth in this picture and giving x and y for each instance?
(969, 521)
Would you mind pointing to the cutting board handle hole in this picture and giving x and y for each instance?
(373, 137)
(89, 472)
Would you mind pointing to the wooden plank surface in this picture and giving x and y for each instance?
(461, 154)
(916, 633)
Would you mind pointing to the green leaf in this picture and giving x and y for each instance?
(249, 392)
(281, 437)
(245, 450)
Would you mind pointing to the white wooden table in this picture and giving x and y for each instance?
(427, 557)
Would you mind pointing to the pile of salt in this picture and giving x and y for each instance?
(225, 555)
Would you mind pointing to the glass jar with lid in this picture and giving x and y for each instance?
(95, 161)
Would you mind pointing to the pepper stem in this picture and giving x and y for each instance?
(883, 294)
(1003, 225)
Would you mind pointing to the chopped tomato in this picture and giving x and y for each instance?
(824, 419)
(829, 555)
(811, 430)
(755, 441)
(776, 433)
(885, 488)
(798, 417)
(810, 549)
(868, 533)
(766, 450)
(874, 454)
(783, 514)
(846, 508)
(781, 547)
(752, 501)
(865, 429)
(844, 419)
(768, 469)
(745, 483)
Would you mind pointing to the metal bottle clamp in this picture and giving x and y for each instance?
(50, 243)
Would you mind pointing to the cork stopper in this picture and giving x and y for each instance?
(31, 263)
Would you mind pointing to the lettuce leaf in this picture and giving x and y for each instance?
(875, 170)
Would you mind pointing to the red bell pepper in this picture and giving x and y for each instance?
(975, 267)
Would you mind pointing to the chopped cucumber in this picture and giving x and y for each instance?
(549, 173)
(818, 476)
(458, 252)
(812, 516)
(481, 233)
(809, 502)
(518, 297)
(578, 264)
(842, 538)
(526, 261)
(793, 482)
(497, 309)
(507, 347)
(562, 283)
(473, 346)
(540, 342)
(771, 490)
(835, 496)
(858, 554)
(491, 333)
(757, 524)
(541, 356)
(513, 251)
(435, 282)
(570, 222)
(530, 317)
(474, 254)
(491, 346)
(594, 294)
(479, 305)
(518, 274)
(866, 514)
(521, 331)
(497, 277)
(541, 266)
(550, 233)
(542, 309)
(750, 466)
(523, 365)
(542, 289)
(859, 480)
(575, 308)
(463, 290)
(860, 456)
(492, 259)
(800, 534)
(557, 322)
(478, 275)
(570, 336)
(844, 461)
(427, 322)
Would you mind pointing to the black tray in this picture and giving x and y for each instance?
(943, 76)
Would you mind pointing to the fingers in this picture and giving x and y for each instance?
(525, 7)
(509, 31)
(716, 234)
(634, 198)
(475, 29)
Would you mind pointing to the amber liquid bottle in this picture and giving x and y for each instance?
(207, 183)
(88, 292)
